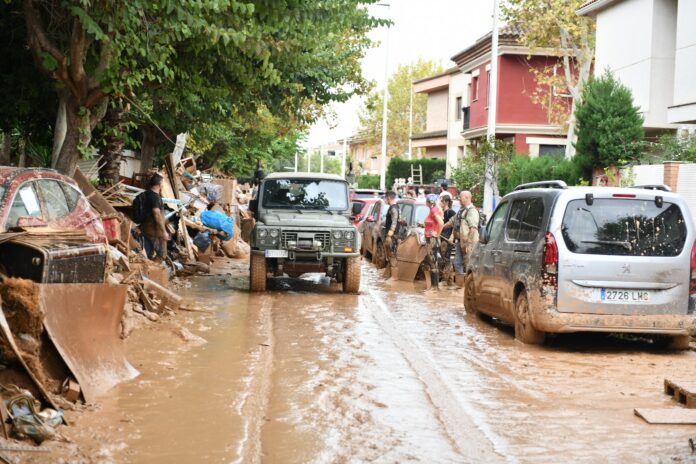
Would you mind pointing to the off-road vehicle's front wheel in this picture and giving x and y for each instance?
(351, 275)
(258, 273)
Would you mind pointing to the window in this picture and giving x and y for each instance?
(422, 212)
(488, 87)
(525, 220)
(72, 195)
(496, 224)
(474, 88)
(305, 194)
(623, 227)
(406, 212)
(54, 199)
(375, 212)
(551, 150)
(25, 204)
(458, 109)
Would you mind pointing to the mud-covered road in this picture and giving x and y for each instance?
(306, 374)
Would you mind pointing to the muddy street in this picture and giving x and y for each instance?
(304, 373)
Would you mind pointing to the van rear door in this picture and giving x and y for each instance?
(624, 253)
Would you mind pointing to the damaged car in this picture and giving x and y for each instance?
(556, 259)
(49, 232)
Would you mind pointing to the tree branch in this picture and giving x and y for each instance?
(37, 35)
(78, 41)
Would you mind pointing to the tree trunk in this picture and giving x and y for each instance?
(22, 149)
(6, 151)
(147, 148)
(78, 133)
(111, 153)
(572, 123)
(61, 127)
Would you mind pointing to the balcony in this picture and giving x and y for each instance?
(465, 117)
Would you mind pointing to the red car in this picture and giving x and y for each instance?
(44, 200)
(360, 206)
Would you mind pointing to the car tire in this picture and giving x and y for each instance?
(680, 342)
(378, 257)
(470, 295)
(524, 331)
(258, 274)
(351, 275)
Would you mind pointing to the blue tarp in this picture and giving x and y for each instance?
(218, 221)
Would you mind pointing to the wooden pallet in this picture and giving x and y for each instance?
(682, 391)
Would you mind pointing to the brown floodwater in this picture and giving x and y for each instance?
(304, 373)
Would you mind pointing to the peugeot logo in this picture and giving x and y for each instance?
(626, 269)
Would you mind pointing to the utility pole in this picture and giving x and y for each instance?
(488, 187)
(410, 123)
(296, 159)
(309, 160)
(343, 158)
(383, 158)
(321, 161)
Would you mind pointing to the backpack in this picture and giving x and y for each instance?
(139, 208)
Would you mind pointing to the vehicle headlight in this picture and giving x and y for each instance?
(274, 233)
(337, 234)
(349, 234)
(263, 233)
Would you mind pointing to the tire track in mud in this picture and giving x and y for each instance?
(463, 424)
(254, 404)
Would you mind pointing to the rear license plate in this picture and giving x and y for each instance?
(276, 253)
(627, 296)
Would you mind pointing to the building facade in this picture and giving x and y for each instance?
(442, 138)
(519, 120)
(655, 56)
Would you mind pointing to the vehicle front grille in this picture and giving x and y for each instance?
(288, 236)
(325, 239)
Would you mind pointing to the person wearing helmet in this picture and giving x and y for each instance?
(433, 227)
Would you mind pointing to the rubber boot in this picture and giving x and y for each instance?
(428, 281)
(435, 276)
(394, 274)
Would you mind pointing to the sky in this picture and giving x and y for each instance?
(429, 29)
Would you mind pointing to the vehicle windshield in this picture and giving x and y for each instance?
(624, 227)
(305, 194)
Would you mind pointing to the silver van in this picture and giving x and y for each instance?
(560, 259)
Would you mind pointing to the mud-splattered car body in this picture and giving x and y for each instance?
(558, 259)
(45, 203)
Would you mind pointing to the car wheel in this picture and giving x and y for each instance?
(470, 295)
(258, 273)
(351, 275)
(524, 331)
(378, 257)
(680, 342)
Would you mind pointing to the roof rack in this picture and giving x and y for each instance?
(662, 187)
(556, 184)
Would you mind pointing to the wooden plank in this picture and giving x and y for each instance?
(667, 415)
(95, 198)
(682, 391)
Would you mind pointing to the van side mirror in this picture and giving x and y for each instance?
(483, 237)
(356, 208)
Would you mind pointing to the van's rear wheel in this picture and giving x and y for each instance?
(680, 342)
(470, 295)
(258, 273)
(524, 331)
(351, 275)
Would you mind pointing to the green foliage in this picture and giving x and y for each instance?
(610, 128)
(522, 169)
(469, 175)
(368, 181)
(400, 84)
(400, 168)
(332, 164)
(671, 147)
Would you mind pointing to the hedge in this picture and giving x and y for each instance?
(521, 170)
(368, 181)
(400, 168)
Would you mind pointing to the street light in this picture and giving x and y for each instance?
(383, 158)
(492, 106)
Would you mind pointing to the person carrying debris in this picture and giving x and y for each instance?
(148, 213)
(433, 227)
(391, 229)
(465, 225)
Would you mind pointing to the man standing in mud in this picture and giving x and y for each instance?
(467, 229)
(391, 228)
(154, 227)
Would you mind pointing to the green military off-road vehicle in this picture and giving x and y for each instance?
(303, 226)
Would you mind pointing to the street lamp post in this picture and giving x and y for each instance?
(343, 157)
(383, 158)
(488, 188)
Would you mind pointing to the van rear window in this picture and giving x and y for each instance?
(624, 227)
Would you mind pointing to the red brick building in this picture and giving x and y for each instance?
(518, 119)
